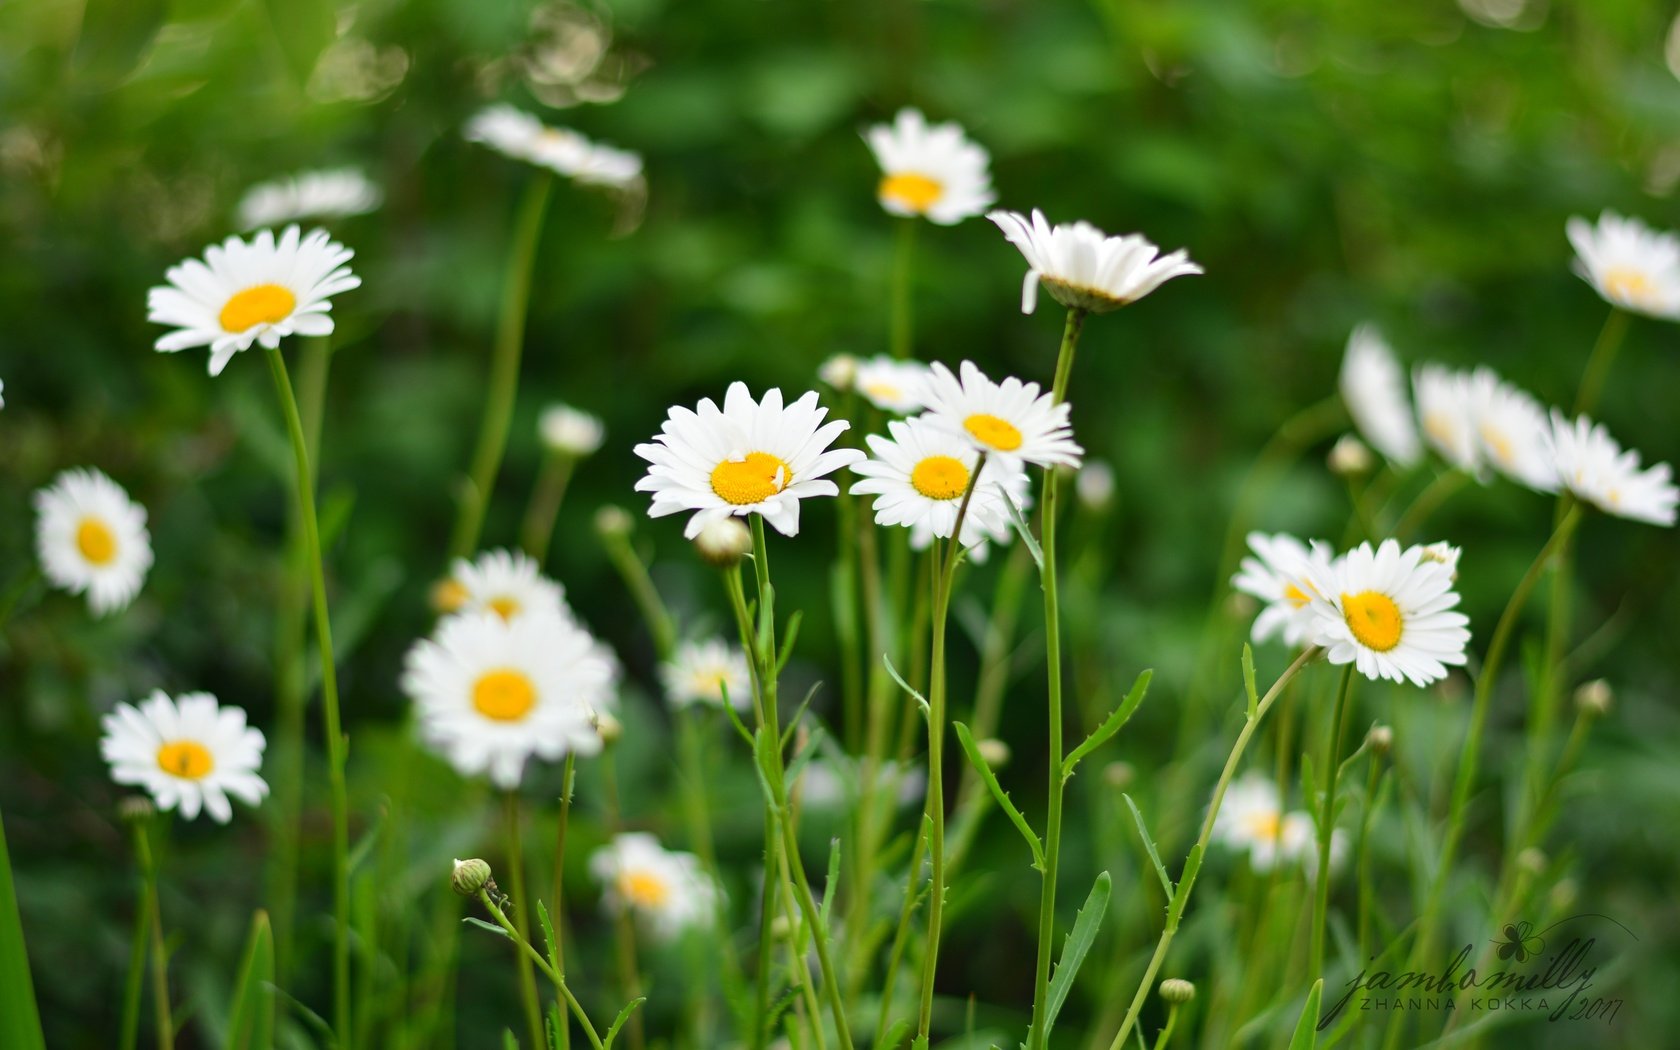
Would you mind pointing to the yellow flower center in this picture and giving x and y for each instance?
(883, 391)
(258, 304)
(643, 889)
(1501, 445)
(940, 477)
(1440, 428)
(449, 595)
(96, 541)
(1626, 284)
(1295, 596)
(990, 430)
(187, 759)
(1374, 619)
(1264, 826)
(911, 191)
(751, 480)
(504, 695)
(505, 606)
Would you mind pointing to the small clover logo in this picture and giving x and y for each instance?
(1520, 943)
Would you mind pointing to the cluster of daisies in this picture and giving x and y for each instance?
(1252, 821)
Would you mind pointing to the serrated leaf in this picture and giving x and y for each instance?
(1306, 1029)
(618, 1022)
(1149, 846)
(1111, 725)
(1022, 526)
(492, 927)
(897, 1032)
(549, 939)
(1076, 947)
(832, 880)
(966, 739)
(1248, 682)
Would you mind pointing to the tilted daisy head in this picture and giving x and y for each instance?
(1592, 465)
(1280, 573)
(1084, 268)
(930, 170)
(517, 134)
(92, 539)
(1628, 263)
(891, 384)
(668, 891)
(920, 475)
(749, 457)
(492, 693)
(570, 431)
(309, 195)
(256, 291)
(1374, 389)
(1390, 612)
(1011, 420)
(188, 754)
(705, 672)
(507, 583)
(1511, 431)
(1446, 410)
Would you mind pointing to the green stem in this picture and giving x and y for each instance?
(556, 910)
(901, 941)
(903, 276)
(163, 1023)
(503, 382)
(136, 980)
(329, 706)
(642, 591)
(1610, 339)
(1327, 826)
(522, 909)
(534, 957)
(629, 971)
(1437, 492)
(536, 532)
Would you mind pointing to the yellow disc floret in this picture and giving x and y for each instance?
(990, 430)
(1374, 619)
(940, 477)
(187, 759)
(259, 304)
(96, 541)
(504, 695)
(753, 479)
(911, 191)
(644, 889)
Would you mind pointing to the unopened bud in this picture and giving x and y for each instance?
(1119, 775)
(609, 727)
(570, 432)
(839, 371)
(447, 596)
(723, 543)
(135, 808)
(1177, 990)
(1532, 860)
(1095, 484)
(994, 752)
(1349, 458)
(782, 927)
(469, 876)
(1594, 697)
(1380, 739)
(613, 521)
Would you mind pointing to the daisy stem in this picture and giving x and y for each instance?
(903, 324)
(153, 917)
(537, 530)
(521, 908)
(901, 941)
(629, 970)
(1193, 860)
(1603, 354)
(329, 706)
(1434, 494)
(504, 368)
(642, 591)
(534, 957)
(1036, 1035)
(135, 984)
(556, 913)
(1327, 824)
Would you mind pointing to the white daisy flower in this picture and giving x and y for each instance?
(1374, 389)
(1511, 431)
(1298, 843)
(705, 672)
(507, 583)
(749, 457)
(890, 383)
(1389, 612)
(839, 371)
(570, 431)
(1445, 554)
(1010, 420)
(1280, 574)
(189, 754)
(317, 195)
(519, 135)
(920, 475)
(1446, 409)
(256, 291)
(91, 538)
(1085, 268)
(492, 693)
(1628, 263)
(667, 890)
(1251, 820)
(930, 170)
(1595, 468)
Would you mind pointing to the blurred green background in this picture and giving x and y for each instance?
(1326, 162)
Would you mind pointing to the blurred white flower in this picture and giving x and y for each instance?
(320, 195)
(890, 383)
(92, 539)
(1511, 431)
(189, 754)
(1010, 420)
(1374, 389)
(1280, 574)
(507, 583)
(1349, 457)
(1446, 410)
(667, 890)
(519, 135)
(1095, 484)
(1628, 263)
(1085, 268)
(1389, 612)
(570, 431)
(839, 371)
(703, 672)
(1595, 468)
(933, 171)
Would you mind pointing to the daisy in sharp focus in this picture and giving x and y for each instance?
(1446, 411)
(317, 195)
(519, 135)
(1374, 389)
(189, 753)
(930, 170)
(507, 583)
(1010, 420)
(492, 693)
(667, 890)
(1279, 573)
(1082, 267)
(891, 384)
(749, 457)
(1389, 612)
(256, 291)
(920, 475)
(705, 672)
(1511, 431)
(91, 538)
(1593, 466)
(1628, 263)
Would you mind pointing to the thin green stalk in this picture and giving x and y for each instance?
(903, 332)
(1036, 1035)
(503, 383)
(1327, 827)
(629, 971)
(135, 983)
(537, 530)
(1609, 341)
(556, 909)
(1187, 876)
(534, 957)
(162, 1021)
(901, 941)
(1165, 1038)
(329, 706)
(521, 909)
(1436, 493)
(642, 591)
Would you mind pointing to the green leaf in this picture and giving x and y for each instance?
(20, 1024)
(1077, 946)
(251, 1014)
(803, 759)
(1248, 682)
(788, 638)
(896, 1033)
(1111, 725)
(1306, 1029)
(831, 881)
(509, 1042)
(1022, 526)
(966, 739)
(115, 36)
(902, 684)
(1149, 845)
(492, 927)
(548, 936)
(618, 1022)
(804, 705)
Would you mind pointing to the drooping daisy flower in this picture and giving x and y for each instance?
(1084, 268)
(1511, 431)
(930, 170)
(1628, 263)
(256, 291)
(1010, 420)
(890, 383)
(667, 890)
(1446, 410)
(1389, 612)
(492, 693)
(920, 475)
(189, 754)
(1280, 574)
(523, 137)
(318, 195)
(704, 672)
(749, 457)
(1374, 389)
(570, 431)
(507, 583)
(92, 539)
(1595, 468)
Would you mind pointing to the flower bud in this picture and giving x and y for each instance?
(994, 752)
(839, 371)
(447, 596)
(1594, 697)
(469, 877)
(1380, 739)
(569, 431)
(1532, 860)
(1349, 458)
(613, 521)
(135, 808)
(1177, 990)
(609, 727)
(1095, 484)
(723, 543)
(1119, 775)
(782, 928)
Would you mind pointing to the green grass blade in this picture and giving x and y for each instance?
(1306, 1029)
(251, 1014)
(20, 1023)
